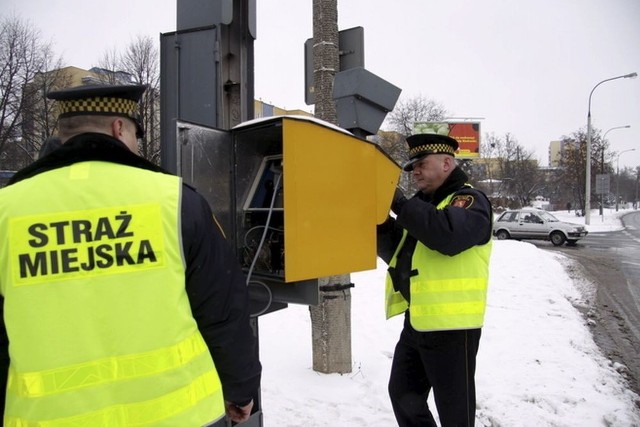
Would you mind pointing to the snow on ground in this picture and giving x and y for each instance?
(537, 366)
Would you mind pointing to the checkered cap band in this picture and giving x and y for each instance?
(99, 105)
(432, 148)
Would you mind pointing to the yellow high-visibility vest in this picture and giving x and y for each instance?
(99, 323)
(449, 292)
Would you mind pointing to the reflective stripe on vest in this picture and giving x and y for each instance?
(96, 242)
(97, 372)
(149, 412)
(449, 292)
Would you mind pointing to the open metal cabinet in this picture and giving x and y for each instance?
(299, 199)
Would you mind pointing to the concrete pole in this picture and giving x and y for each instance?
(331, 318)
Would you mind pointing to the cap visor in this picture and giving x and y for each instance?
(408, 167)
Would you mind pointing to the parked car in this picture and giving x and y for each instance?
(536, 224)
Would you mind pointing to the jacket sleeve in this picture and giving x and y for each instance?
(4, 357)
(465, 223)
(219, 300)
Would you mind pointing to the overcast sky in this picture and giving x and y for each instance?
(526, 67)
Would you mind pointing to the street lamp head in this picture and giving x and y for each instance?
(614, 128)
(631, 75)
(625, 151)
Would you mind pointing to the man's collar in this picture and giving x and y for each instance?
(85, 147)
(456, 179)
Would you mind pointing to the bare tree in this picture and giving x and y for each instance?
(517, 169)
(140, 63)
(416, 109)
(23, 56)
(400, 122)
(574, 159)
(110, 61)
(39, 113)
(392, 143)
(573, 165)
(635, 197)
(486, 175)
(626, 184)
(527, 182)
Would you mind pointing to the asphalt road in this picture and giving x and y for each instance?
(612, 261)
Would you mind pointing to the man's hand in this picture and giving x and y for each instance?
(238, 414)
(398, 201)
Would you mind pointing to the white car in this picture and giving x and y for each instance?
(536, 224)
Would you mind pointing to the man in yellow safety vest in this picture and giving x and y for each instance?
(438, 249)
(122, 303)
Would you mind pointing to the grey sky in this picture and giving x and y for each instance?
(527, 67)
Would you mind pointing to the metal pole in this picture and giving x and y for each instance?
(587, 186)
(602, 175)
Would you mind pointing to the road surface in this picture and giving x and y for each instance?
(612, 261)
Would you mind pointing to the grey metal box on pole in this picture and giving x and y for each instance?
(363, 99)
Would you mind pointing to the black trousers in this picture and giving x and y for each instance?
(444, 361)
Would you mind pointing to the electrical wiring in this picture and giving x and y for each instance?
(276, 187)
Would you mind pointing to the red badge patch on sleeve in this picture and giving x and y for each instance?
(462, 201)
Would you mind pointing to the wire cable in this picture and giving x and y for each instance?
(276, 187)
(269, 298)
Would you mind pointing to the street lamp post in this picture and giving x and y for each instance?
(587, 195)
(618, 174)
(635, 204)
(604, 139)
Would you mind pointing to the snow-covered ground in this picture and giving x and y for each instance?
(537, 366)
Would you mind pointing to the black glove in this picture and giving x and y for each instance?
(398, 201)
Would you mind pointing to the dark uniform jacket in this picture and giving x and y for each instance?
(215, 283)
(465, 223)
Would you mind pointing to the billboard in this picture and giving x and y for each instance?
(466, 133)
